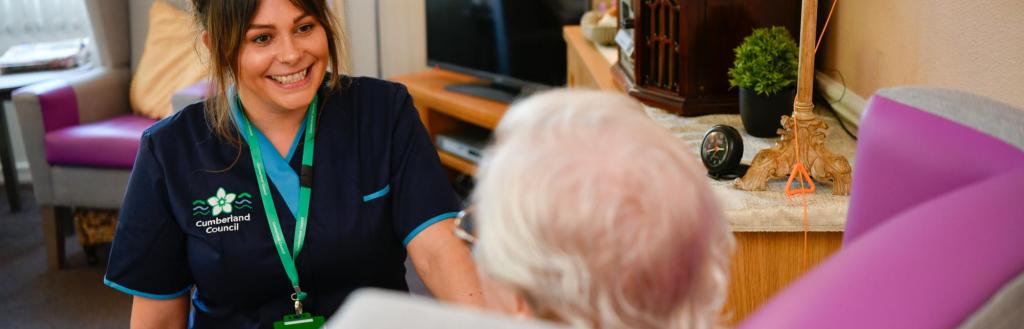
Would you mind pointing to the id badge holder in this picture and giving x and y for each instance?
(300, 321)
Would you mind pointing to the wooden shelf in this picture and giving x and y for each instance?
(455, 162)
(443, 111)
(428, 93)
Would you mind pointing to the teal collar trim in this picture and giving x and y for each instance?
(285, 179)
(295, 141)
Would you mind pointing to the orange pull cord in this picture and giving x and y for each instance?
(799, 171)
(825, 27)
(800, 174)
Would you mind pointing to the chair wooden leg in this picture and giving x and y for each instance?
(53, 234)
(91, 255)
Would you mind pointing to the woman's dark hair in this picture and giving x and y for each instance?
(226, 22)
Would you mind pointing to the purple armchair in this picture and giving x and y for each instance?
(936, 221)
(80, 135)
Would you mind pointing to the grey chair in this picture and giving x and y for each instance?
(80, 135)
(32, 21)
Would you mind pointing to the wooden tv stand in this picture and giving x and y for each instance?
(443, 111)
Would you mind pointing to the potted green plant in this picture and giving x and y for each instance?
(765, 70)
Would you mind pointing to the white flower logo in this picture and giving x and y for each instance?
(222, 202)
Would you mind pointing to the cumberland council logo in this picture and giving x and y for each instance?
(221, 202)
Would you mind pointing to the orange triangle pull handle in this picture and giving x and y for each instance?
(800, 174)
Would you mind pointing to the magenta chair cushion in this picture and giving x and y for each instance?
(110, 143)
(906, 156)
(931, 266)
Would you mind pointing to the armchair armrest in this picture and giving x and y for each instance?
(92, 96)
(95, 95)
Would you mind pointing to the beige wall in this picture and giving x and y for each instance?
(403, 34)
(974, 45)
(360, 21)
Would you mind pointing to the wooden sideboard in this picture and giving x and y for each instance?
(767, 259)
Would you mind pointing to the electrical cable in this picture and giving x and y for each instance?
(821, 97)
(828, 105)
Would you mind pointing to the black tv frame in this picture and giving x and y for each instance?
(496, 87)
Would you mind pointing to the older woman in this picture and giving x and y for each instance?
(590, 214)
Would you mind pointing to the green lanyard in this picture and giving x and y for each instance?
(305, 189)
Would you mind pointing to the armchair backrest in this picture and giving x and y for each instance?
(120, 28)
(109, 21)
(917, 143)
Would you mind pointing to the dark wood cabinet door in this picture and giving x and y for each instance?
(684, 49)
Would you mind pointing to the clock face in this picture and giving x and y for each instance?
(721, 151)
(715, 149)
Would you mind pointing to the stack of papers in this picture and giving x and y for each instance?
(56, 55)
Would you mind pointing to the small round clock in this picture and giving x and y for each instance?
(721, 152)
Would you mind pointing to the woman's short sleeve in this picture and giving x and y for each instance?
(422, 194)
(148, 256)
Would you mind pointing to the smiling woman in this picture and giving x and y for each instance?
(277, 125)
(266, 47)
(284, 50)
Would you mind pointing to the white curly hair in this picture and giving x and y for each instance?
(599, 217)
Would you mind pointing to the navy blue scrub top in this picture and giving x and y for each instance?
(378, 182)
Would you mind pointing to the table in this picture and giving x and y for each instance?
(767, 226)
(770, 210)
(9, 83)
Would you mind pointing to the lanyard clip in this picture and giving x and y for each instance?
(298, 296)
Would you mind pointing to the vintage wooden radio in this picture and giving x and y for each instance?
(675, 54)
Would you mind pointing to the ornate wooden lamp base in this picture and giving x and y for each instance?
(778, 161)
(809, 134)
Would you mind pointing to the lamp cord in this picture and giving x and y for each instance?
(835, 113)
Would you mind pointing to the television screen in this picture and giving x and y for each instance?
(497, 39)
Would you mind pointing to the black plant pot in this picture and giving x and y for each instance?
(762, 115)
